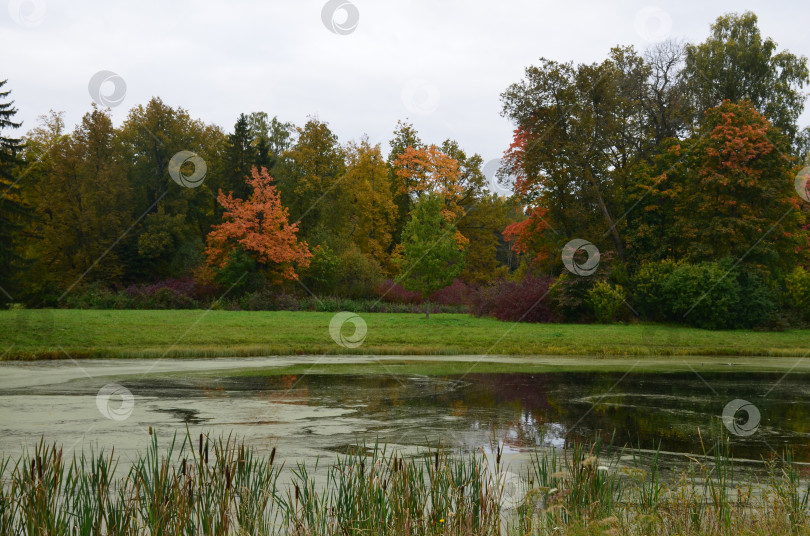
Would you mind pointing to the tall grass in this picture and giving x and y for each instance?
(222, 486)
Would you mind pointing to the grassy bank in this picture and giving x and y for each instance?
(224, 487)
(59, 334)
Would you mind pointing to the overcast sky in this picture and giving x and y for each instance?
(442, 64)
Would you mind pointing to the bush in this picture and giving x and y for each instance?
(605, 301)
(393, 292)
(797, 295)
(457, 293)
(704, 295)
(358, 275)
(648, 293)
(270, 300)
(516, 301)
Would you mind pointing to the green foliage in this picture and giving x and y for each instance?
(240, 273)
(358, 274)
(321, 275)
(431, 255)
(736, 63)
(648, 284)
(797, 286)
(704, 295)
(606, 301)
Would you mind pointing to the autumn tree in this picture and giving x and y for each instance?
(405, 136)
(727, 191)
(366, 196)
(310, 186)
(260, 228)
(431, 255)
(430, 171)
(736, 63)
(82, 197)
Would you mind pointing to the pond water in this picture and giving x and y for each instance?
(308, 413)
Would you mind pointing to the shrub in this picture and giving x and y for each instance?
(393, 292)
(648, 294)
(516, 301)
(705, 295)
(797, 286)
(457, 293)
(358, 275)
(270, 300)
(605, 301)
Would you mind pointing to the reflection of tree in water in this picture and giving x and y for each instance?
(522, 410)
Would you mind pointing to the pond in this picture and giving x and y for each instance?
(313, 407)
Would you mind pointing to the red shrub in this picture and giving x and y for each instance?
(521, 301)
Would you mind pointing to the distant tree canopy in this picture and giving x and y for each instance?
(686, 152)
(676, 161)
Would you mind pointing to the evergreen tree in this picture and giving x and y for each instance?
(13, 212)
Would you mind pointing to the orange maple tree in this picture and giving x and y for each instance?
(428, 170)
(260, 226)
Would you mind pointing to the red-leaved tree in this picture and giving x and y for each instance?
(260, 226)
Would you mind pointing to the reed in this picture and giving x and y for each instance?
(221, 486)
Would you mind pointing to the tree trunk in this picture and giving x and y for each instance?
(617, 239)
(427, 308)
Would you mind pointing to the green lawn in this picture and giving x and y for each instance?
(54, 334)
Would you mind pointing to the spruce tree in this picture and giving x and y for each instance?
(13, 212)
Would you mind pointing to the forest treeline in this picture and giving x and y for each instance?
(680, 165)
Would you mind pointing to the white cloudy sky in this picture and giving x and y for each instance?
(440, 63)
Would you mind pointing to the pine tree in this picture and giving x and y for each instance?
(13, 213)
